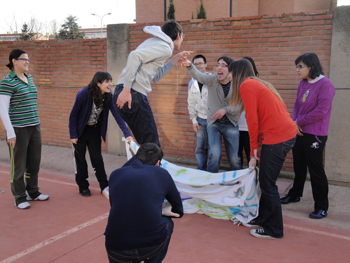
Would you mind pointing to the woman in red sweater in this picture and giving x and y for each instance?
(269, 122)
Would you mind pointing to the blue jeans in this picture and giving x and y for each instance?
(231, 140)
(139, 118)
(202, 144)
(271, 162)
(154, 254)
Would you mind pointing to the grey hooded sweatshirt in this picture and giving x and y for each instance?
(146, 62)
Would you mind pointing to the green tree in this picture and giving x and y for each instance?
(201, 13)
(171, 11)
(70, 29)
(27, 33)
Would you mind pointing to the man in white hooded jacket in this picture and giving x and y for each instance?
(144, 64)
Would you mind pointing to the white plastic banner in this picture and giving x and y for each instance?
(231, 195)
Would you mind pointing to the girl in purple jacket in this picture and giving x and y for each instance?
(88, 122)
(311, 113)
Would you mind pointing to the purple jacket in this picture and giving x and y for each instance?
(81, 111)
(312, 108)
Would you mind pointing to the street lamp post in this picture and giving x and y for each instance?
(101, 19)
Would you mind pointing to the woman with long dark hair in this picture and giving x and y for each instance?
(19, 114)
(88, 122)
(311, 112)
(268, 121)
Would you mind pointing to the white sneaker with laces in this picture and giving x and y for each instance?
(41, 197)
(105, 192)
(251, 223)
(23, 205)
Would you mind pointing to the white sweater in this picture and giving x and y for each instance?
(197, 101)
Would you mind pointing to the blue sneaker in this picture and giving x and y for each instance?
(318, 214)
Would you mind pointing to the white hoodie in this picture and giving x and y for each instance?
(146, 62)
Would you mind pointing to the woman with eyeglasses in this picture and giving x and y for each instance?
(269, 122)
(311, 113)
(19, 114)
(88, 122)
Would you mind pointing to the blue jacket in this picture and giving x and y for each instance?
(81, 111)
(136, 195)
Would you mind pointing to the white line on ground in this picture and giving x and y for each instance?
(55, 238)
(316, 232)
(60, 182)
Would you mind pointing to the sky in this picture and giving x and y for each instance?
(123, 11)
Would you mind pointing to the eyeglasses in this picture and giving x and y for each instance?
(198, 64)
(24, 59)
(300, 66)
(222, 65)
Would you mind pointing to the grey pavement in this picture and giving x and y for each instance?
(59, 161)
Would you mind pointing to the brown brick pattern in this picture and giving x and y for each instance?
(59, 69)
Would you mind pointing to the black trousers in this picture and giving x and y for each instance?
(308, 153)
(139, 118)
(25, 167)
(271, 162)
(244, 143)
(90, 138)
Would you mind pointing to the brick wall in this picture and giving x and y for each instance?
(61, 68)
(273, 42)
(153, 10)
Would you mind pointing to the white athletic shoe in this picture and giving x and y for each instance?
(24, 205)
(105, 192)
(41, 197)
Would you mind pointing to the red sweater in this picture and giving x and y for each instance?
(267, 116)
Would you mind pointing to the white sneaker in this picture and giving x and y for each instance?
(41, 197)
(24, 205)
(105, 192)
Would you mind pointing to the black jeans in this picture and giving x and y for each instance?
(270, 211)
(244, 142)
(154, 254)
(308, 153)
(139, 118)
(90, 138)
(26, 161)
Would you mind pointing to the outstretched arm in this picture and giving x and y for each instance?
(170, 64)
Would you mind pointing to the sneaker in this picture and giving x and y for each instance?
(105, 192)
(23, 205)
(41, 197)
(260, 233)
(318, 214)
(289, 199)
(251, 223)
(85, 192)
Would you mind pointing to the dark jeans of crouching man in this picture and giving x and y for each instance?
(154, 254)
